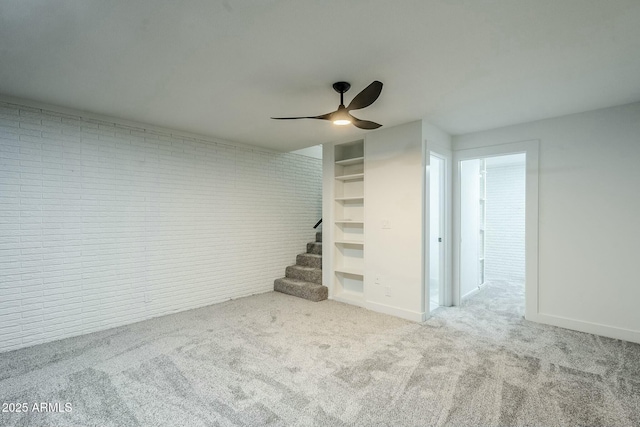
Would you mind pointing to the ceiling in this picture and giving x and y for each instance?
(223, 68)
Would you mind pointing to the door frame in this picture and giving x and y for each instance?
(531, 150)
(446, 287)
(442, 277)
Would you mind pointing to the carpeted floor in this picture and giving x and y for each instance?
(273, 359)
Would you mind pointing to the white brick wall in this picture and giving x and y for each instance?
(504, 246)
(103, 224)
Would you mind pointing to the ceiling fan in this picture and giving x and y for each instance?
(342, 116)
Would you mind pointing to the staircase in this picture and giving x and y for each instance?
(304, 279)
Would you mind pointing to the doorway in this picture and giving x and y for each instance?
(478, 249)
(492, 227)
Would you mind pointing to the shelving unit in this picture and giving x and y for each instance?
(348, 224)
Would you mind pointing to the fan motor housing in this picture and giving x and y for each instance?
(341, 87)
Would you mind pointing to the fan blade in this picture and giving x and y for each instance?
(367, 97)
(364, 124)
(321, 117)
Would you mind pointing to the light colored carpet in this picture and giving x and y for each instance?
(273, 359)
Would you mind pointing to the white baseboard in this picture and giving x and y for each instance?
(588, 327)
(413, 316)
(345, 298)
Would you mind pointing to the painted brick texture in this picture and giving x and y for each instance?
(103, 224)
(505, 223)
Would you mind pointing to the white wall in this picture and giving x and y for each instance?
(505, 219)
(394, 193)
(589, 225)
(104, 224)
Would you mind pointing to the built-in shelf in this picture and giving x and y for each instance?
(349, 162)
(349, 242)
(350, 177)
(353, 271)
(348, 226)
(349, 199)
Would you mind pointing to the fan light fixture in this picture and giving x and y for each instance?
(342, 116)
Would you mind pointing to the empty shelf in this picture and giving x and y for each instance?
(350, 177)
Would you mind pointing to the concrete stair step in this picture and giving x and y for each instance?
(309, 260)
(314, 248)
(301, 289)
(308, 274)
